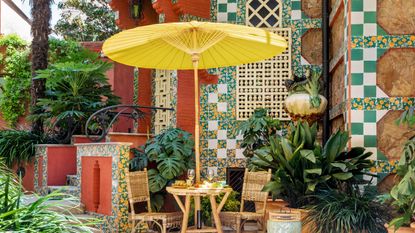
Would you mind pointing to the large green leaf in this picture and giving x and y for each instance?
(170, 167)
(156, 181)
(343, 175)
(309, 155)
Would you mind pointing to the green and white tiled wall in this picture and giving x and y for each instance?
(220, 142)
(369, 103)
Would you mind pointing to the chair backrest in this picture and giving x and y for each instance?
(254, 182)
(137, 187)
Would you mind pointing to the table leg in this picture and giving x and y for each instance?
(186, 214)
(215, 214)
(197, 207)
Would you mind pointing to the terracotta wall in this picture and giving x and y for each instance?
(61, 162)
(104, 182)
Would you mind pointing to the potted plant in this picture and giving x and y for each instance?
(257, 130)
(301, 166)
(345, 212)
(167, 157)
(403, 193)
(304, 101)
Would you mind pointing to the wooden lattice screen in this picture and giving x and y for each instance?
(163, 96)
(264, 13)
(261, 84)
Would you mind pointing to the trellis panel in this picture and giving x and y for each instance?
(261, 84)
(264, 13)
(163, 96)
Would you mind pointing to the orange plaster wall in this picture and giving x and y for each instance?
(28, 179)
(145, 98)
(200, 8)
(61, 162)
(87, 185)
(185, 101)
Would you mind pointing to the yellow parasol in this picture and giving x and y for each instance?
(193, 45)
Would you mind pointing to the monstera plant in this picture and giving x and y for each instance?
(168, 156)
(403, 193)
(304, 101)
(257, 130)
(301, 166)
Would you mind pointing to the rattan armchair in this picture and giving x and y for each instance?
(251, 191)
(138, 191)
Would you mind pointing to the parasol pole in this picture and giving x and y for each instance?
(195, 60)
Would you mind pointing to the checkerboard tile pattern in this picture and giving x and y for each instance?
(227, 10)
(368, 102)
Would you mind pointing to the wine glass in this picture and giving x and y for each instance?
(210, 175)
(191, 174)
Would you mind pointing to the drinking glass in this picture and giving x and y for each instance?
(210, 175)
(191, 174)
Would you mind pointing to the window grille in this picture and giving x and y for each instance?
(261, 84)
(264, 13)
(163, 96)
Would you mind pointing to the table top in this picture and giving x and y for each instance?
(197, 191)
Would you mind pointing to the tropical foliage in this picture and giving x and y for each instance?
(168, 155)
(403, 193)
(15, 94)
(232, 204)
(38, 216)
(301, 166)
(344, 212)
(17, 75)
(86, 20)
(74, 92)
(257, 130)
(18, 146)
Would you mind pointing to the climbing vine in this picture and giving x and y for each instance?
(17, 75)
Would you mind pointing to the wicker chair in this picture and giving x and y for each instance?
(251, 191)
(138, 191)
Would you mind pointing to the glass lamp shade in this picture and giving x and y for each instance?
(136, 8)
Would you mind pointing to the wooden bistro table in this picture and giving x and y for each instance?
(196, 193)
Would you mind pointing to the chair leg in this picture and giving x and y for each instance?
(133, 227)
(164, 230)
(238, 225)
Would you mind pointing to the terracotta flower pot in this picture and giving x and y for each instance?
(410, 229)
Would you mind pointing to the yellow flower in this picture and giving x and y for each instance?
(409, 42)
(372, 103)
(412, 37)
(373, 38)
(379, 37)
(366, 100)
(381, 102)
(360, 108)
(368, 108)
(384, 40)
(396, 102)
(391, 44)
(394, 39)
(378, 107)
(370, 43)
